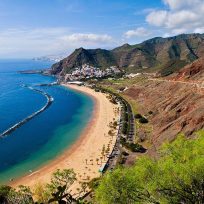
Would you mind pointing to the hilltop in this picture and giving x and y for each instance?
(164, 55)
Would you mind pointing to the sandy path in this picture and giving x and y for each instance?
(87, 149)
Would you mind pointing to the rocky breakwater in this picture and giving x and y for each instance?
(25, 120)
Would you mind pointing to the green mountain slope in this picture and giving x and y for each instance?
(160, 54)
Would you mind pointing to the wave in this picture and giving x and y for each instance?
(50, 99)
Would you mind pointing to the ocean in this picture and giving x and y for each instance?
(46, 135)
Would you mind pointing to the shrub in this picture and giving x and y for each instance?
(94, 183)
(4, 192)
(175, 177)
(121, 159)
(125, 153)
(143, 120)
(138, 116)
(135, 147)
(150, 112)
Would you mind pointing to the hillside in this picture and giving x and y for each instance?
(98, 57)
(191, 72)
(165, 55)
(172, 104)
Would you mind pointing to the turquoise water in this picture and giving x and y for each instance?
(48, 134)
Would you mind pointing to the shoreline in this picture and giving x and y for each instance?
(83, 153)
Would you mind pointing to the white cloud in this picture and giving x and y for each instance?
(179, 4)
(180, 16)
(26, 42)
(88, 38)
(199, 30)
(157, 18)
(139, 32)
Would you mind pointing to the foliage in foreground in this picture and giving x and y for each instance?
(176, 177)
(57, 191)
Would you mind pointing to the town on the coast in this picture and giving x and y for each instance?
(87, 71)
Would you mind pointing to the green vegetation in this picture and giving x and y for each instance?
(143, 131)
(157, 54)
(57, 191)
(133, 147)
(143, 120)
(176, 177)
(138, 116)
(114, 98)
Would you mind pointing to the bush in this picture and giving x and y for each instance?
(138, 116)
(135, 147)
(177, 176)
(122, 141)
(150, 112)
(4, 192)
(143, 120)
(125, 153)
(121, 160)
(132, 146)
(94, 183)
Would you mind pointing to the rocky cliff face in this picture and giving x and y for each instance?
(161, 54)
(172, 105)
(191, 72)
(177, 102)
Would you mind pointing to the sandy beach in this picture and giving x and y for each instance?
(84, 156)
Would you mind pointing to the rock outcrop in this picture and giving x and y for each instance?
(177, 102)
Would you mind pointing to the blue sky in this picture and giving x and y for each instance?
(30, 28)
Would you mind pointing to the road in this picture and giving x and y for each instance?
(197, 84)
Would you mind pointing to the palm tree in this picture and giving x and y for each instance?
(97, 160)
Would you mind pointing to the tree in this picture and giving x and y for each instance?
(176, 177)
(138, 116)
(61, 182)
(21, 196)
(4, 192)
(42, 193)
(181, 166)
(143, 120)
(120, 187)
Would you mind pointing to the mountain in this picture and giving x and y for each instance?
(165, 55)
(192, 72)
(95, 57)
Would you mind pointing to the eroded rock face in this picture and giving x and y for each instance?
(191, 72)
(176, 108)
(177, 103)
